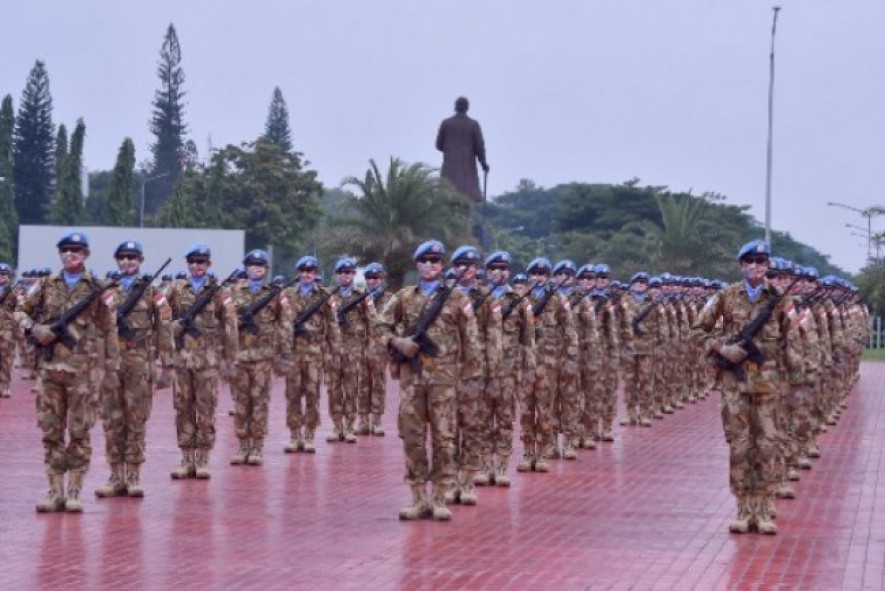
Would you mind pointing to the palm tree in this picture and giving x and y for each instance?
(395, 212)
(683, 249)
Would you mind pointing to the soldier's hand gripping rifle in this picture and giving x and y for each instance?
(10, 290)
(246, 314)
(344, 310)
(511, 307)
(744, 337)
(637, 321)
(549, 291)
(418, 333)
(299, 324)
(59, 327)
(186, 320)
(480, 299)
(123, 329)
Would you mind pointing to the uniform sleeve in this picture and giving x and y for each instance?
(227, 314)
(471, 352)
(703, 333)
(106, 321)
(527, 336)
(333, 331)
(792, 346)
(162, 314)
(285, 335)
(569, 331)
(494, 334)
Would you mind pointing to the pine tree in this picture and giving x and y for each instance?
(67, 206)
(32, 148)
(167, 123)
(8, 215)
(276, 129)
(120, 207)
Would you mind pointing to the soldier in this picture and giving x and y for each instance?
(373, 396)
(750, 385)
(644, 320)
(610, 336)
(68, 372)
(661, 357)
(514, 367)
(316, 342)
(428, 384)
(354, 321)
(127, 396)
(200, 347)
(566, 408)
(8, 327)
(265, 335)
(589, 360)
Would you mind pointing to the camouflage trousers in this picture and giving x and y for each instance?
(7, 358)
(565, 411)
(250, 387)
(471, 422)
(347, 385)
(499, 406)
(65, 406)
(125, 413)
(372, 397)
(195, 397)
(303, 385)
(420, 405)
(660, 390)
(639, 383)
(607, 380)
(803, 402)
(535, 406)
(751, 431)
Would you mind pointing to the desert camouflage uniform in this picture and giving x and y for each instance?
(349, 385)
(9, 329)
(373, 396)
(606, 381)
(639, 379)
(590, 363)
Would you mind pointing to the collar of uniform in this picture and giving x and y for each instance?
(345, 291)
(499, 291)
(428, 287)
(305, 289)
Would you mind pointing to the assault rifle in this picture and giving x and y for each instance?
(482, 297)
(637, 321)
(418, 333)
(60, 326)
(246, 314)
(744, 337)
(123, 328)
(511, 307)
(186, 320)
(344, 310)
(298, 325)
(11, 289)
(549, 291)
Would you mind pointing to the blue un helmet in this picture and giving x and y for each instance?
(500, 258)
(539, 264)
(429, 248)
(754, 247)
(602, 270)
(520, 279)
(640, 277)
(256, 257)
(279, 280)
(345, 263)
(586, 271)
(374, 270)
(565, 266)
(307, 262)
(466, 254)
(198, 249)
(129, 247)
(6, 269)
(810, 273)
(655, 282)
(75, 238)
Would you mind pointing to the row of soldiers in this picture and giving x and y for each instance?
(547, 345)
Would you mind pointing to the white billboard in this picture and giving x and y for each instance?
(36, 247)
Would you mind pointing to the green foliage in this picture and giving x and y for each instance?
(120, 206)
(276, 129)
(33, 148)
(189, 205)
(396, 211)
(871, 282)
(167, 124)
(66, 208)
(8, 214)
(99, 186)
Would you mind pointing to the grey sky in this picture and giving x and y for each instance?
(673, 92)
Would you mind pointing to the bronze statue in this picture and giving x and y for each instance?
(460, 140)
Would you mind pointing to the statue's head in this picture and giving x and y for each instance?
(461, 104)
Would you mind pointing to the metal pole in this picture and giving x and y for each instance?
(770, 129)
(141, 206)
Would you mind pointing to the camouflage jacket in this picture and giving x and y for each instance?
(356, 326)
(217, 323)
(589, 340)
(517, 352)
(488, 325)
(650, 332)
(377, 350)
(150, 319)
(323, 336)
(273, 324)
(556, 339)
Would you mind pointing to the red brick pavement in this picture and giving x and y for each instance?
(647, 512)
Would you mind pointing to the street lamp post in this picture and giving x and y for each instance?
(868, 213)
(141, 206)
(768, 156)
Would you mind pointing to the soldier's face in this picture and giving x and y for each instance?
(373, 282)
(430, 267)
(585, 284)
(4, 278)
(345, 277)
(198, 266)
(498, 274)
(564, 279)
(467, 271)
(73, 258)
(602, 282)
(308, 275)
(128, 263)
(754, 268)
(639, 287)
(539, 277)
(256, 272)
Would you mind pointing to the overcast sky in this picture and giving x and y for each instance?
(673, 92)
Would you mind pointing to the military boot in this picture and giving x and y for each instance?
(364, 427)
(541, 464)
(785, 491)
(201, 464)
(668, 409)
(526, 464)
(242, 455)
(568, 451)
(608, 436)
(793, 474)
(501, 478)
(296, 443)
(468, 492)
(377, 429)
(133, 480)
(438, 506)
(309, 446)
(803, 462)
(116, 484)
(645, 422)
(72, 501)
(481, 478)
(419, 509)
(349, 435)
(256, 452)
(629, 420)
(744, 519)
(337, 433)
(764, 519)
(186, 468)
(55, 496)
(4, 394)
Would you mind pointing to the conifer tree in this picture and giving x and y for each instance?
(276, 129)
(33, 148)
(67, 206)
(120, 208)
(8, 215)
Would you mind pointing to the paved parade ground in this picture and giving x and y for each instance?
(650, 511)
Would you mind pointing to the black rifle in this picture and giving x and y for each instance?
(60, 326)
(637, 321)
(418, 333)
(298, 325)
(549, 291)
(186, 320)
(511, 307)
(344, 310)
(744, 337)
(246, 314)
(123, 328)
(481, 298)
(11, 289)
